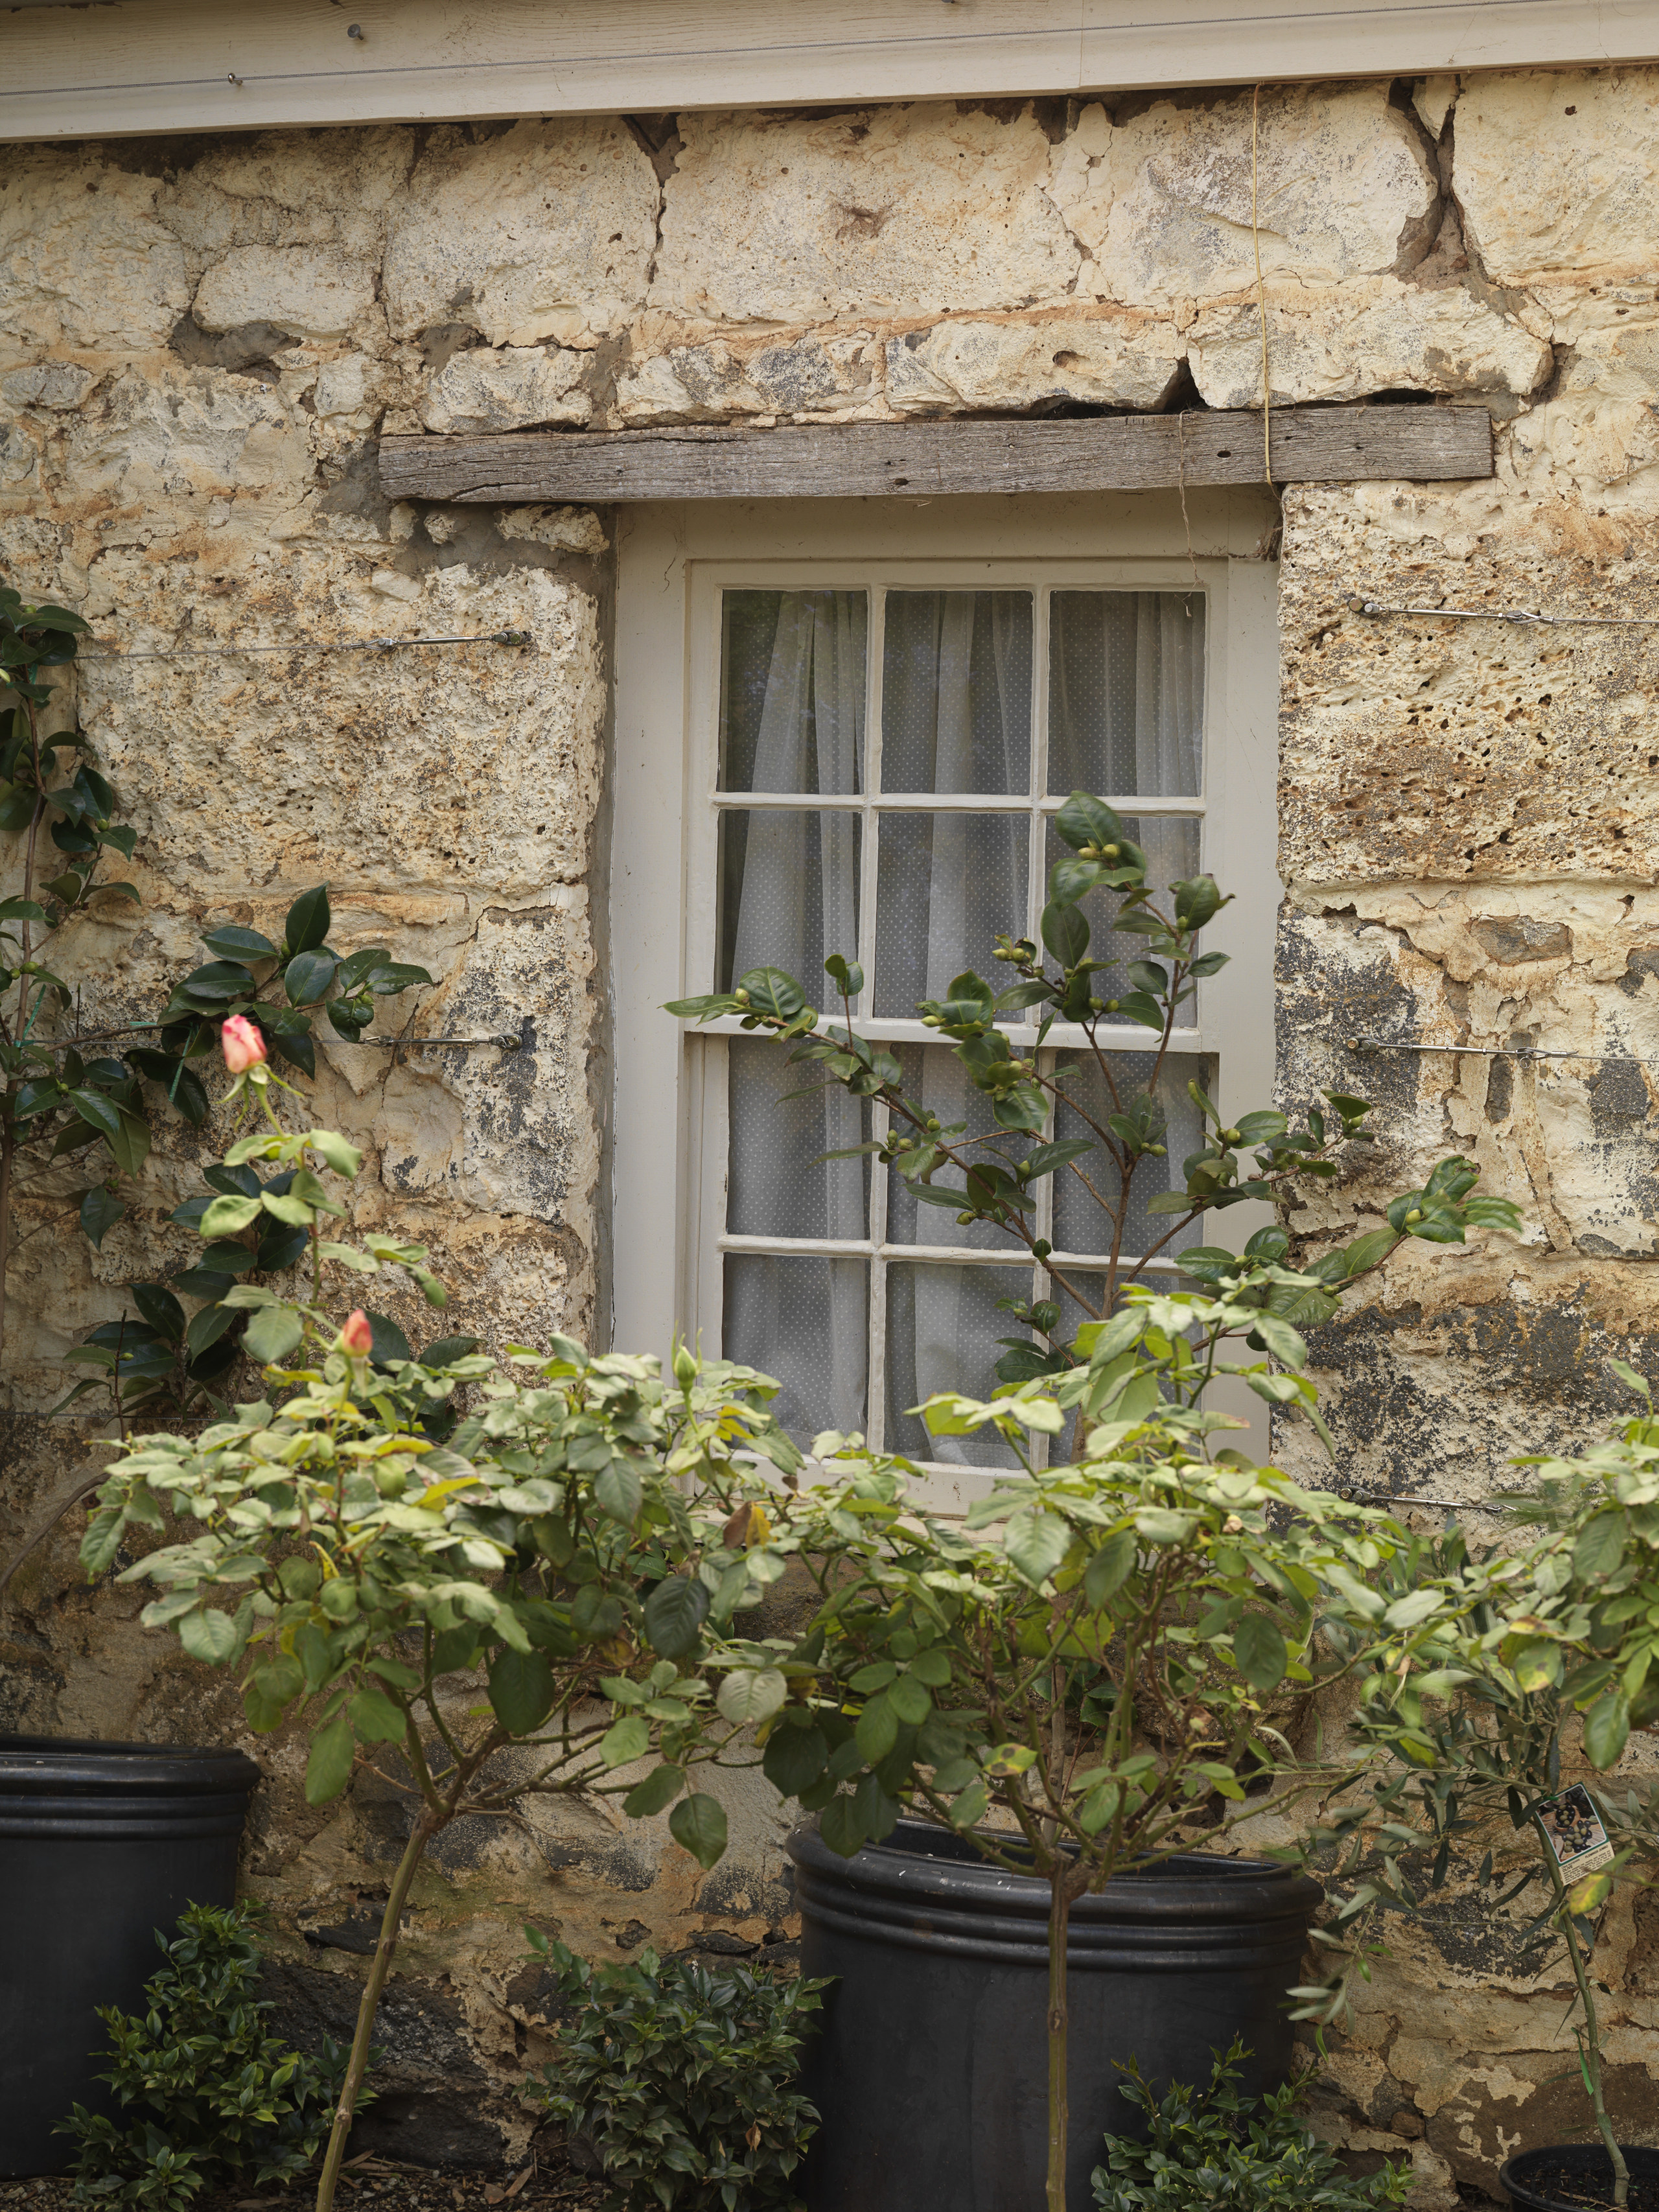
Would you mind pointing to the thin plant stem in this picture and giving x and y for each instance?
(1589, 2042)
(357, 2064)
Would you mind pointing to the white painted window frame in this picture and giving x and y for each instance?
(669, 1129)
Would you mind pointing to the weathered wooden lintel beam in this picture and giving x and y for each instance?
(1416, 443)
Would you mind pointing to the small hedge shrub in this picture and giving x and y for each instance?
(682, 2079)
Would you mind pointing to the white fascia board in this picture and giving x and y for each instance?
(130, 68)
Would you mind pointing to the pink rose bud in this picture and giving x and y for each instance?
(356, 1337)
(242, 1043)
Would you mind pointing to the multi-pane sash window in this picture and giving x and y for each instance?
(888, 761)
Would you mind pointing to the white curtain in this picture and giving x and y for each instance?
(789, 893)
(1127, 690)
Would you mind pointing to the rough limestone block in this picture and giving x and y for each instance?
(1343, 189)
(1378, 335)
(1452, 1361)
(516, 388)
(185, 432)
(814, 378)
(59, 385)
(903, 210)
(567, 529)
(84, 262)
(1558, 173)
(1123, 361)
(1413, 750)
(1597, 436)
(471, 770)
(310, 292)
(284, 188)
(545, 231)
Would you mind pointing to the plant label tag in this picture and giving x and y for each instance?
(1575, 1831)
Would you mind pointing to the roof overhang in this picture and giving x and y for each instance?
(76, 69)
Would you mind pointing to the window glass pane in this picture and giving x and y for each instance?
(806, 1322)
(1081, 1225)
(1126, 693)
(945, 884)
(955, 692)
(1171, 843)
(791, 691)
(936, 1078)
(788, 894)
(778, 1183)
(942, 1331)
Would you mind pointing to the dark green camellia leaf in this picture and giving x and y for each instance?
(396, 976)
(220, 979)
(39, 1097)
(100, 1212)
(218, 1359)
(350, 1017)
(226, 1258)
(353, 970)
(188, 1215)
(160, 1308)
(202, 1283)
(281, 1247)
(207, 1327)
(447, 1349)
(307, 976)
(231, 1183)
(1065, 933)
(295, 1046)
(1259, 1652)
(308, 920)
(98, 1112)
(520, 1689)
(386, 1340)
(131, 1143)
(698, 1825)
(674, 1614)
(229, 942)
(772, 991)
(1087, 821)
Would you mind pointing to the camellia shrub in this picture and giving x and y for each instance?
(208, 2099)
(679, 2079)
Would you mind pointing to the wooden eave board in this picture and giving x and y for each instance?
(133, 67)
(1122, 452)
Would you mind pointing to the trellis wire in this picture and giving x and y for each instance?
(1519, 618)
(516, 637)
(1361, 1045)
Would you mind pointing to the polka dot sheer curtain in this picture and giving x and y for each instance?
(891, 762)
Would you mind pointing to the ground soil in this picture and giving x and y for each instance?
(545, 2183)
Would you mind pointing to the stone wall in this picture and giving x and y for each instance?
(200, 340)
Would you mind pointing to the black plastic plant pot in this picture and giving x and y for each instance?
(1576, 2177)
(930, 2066)
(100, 1844)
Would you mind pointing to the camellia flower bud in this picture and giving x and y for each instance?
(356, 1337)
(241, 1044)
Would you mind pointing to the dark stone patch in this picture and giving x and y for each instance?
(739, 1893)
(1389, 1411)
(1618, 1093)
(433, 2099)
(1638, 967)
(1518, 937)
(724, 1943)
(247, 349)
(1500, 1089)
